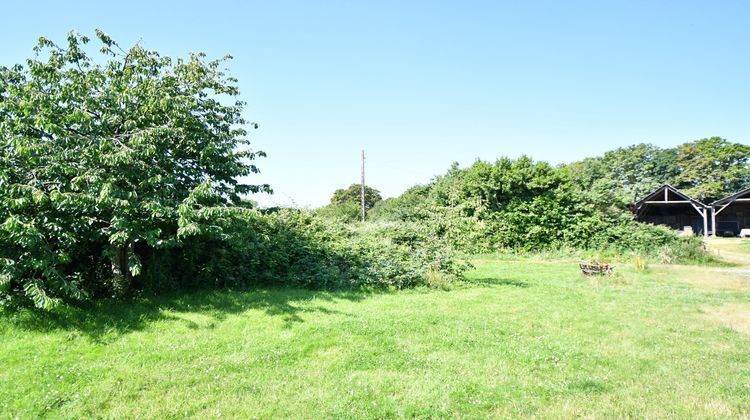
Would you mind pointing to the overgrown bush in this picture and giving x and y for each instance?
(686, 250)
(405, 208)
(293, 247)
(344, 212)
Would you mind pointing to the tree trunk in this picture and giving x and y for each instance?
(121, 276)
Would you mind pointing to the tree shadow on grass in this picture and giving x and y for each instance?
(106, 320)
(495, 281)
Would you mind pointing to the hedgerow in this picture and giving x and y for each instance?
(292, 247)
(526, 206)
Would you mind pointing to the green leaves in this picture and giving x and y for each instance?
(706, 169)
(237, 247)
(38, 295)
(523, 205)
(713, 168)
(134, 264)
(352, 195)
(622, 176)
(101, 151)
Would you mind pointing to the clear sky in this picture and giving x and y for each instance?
(420, 84)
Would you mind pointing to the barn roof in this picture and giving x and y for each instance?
(732, 198)
(660, 196)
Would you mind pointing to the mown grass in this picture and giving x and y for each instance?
(520, 338)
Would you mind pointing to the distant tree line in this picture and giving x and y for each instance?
(707, 169)
(525, 205)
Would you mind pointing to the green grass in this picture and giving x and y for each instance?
(521, 338)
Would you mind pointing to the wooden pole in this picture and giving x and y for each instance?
(705, 223)
(713, 221)
(362, 186)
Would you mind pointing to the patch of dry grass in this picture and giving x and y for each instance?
(734, 315)
(732, 250)
(709, 278)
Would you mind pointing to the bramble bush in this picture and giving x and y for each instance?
(242, 247)
(343, 212)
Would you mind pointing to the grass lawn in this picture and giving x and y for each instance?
(521, 338)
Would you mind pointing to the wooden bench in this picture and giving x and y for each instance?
(596, 269)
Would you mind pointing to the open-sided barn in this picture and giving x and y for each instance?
(732, 214)
(671, 207)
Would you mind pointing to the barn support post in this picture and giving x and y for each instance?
(705, 223)
(713, 221)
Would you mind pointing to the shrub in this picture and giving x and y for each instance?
(685, 250)
(407, 207)
(344, 212)
(295, 248)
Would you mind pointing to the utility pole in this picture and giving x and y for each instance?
(362, 186)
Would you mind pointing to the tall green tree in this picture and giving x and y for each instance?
(518, 204)
(352, 195)
(97, 154)
(712, 168)
(624, 175)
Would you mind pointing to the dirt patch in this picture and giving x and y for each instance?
(735, 316)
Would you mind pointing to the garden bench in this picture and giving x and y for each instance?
(596, 269)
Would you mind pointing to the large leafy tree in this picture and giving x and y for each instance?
(518, 204)
(97, 154)
(624, 175)
(711, 168)
(352, 195)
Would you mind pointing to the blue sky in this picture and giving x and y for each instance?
(419, 85)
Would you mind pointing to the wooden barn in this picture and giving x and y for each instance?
(732, 214)
(670, 207)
